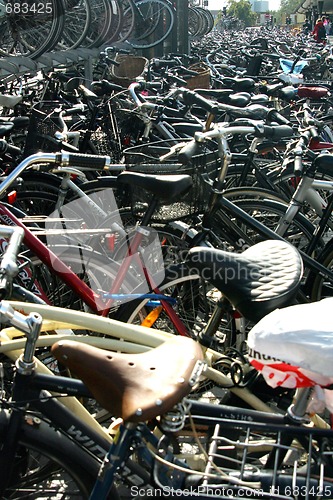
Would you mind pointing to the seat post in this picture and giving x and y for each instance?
(297, 411)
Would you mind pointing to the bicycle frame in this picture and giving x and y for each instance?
(132, 339)
(230, 210)
(30, 388)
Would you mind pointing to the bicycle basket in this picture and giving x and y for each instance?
(253, 459)
(130, 68)
(43, 124)
(202, 79)
(203, 169)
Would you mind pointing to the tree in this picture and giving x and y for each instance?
(241, 9)
(289, 6)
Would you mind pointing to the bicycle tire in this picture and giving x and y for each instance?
(116, 22)
(204, 22)
(316, 285)
(269, 213)
(35, 203)
(77, 22)
(195, 301)
(93, 268)
(100, 23)
(195, 22)
(47, 461)
(154, 20)
(128, 20)
(210, 19)
(31, 33)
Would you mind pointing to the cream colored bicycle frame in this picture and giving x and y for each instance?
(126, 338)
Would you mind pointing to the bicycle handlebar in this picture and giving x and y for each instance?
(83, 161)
(219, 132)
(275, 116)
(45, 161)
(190, 98)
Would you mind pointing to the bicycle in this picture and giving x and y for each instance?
(185, 376)
(262, 456)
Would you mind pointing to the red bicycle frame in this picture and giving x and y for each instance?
(93, 300)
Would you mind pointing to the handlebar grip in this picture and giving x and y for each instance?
(277, 132)
(75, 109)
(298, 165)
(86, 162)
(162, 63)
(87, 93)
(102, 87)
(153, 85)
(187, 152)
(9, 148)
(275, 116)
(190, 97)
(176, 79)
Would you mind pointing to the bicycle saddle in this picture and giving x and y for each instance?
(324, 160)
(288, 93)
(239, 99)
(5, 128)
(239, 84)
(262, 278)
(165, 187)
(17, 121)
(135, 387)
(260, 99)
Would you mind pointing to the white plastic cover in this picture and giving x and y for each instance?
(300, 335)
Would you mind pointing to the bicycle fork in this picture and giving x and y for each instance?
(115, 457)
(31, 326)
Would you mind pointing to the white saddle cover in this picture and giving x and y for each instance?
(293, 347)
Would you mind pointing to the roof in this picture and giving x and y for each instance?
(305, 5)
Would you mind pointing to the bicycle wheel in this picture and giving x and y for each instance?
(267, 212)
(77, 22)
(35, 203)
(318, 286)
(30, 28)
(193, 300)
(195, 22)
(154, 20)
(48, 465)
(101, 13)
(116, 22)
(94, 269)
(128, 20)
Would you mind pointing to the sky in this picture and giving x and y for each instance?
(218, 4)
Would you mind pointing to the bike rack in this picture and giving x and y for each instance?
(13, 66)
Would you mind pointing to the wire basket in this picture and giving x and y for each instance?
(44, 122)
(202, 169)
(250, 459)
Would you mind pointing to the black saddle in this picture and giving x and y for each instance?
(165, 187)
(264, 277)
